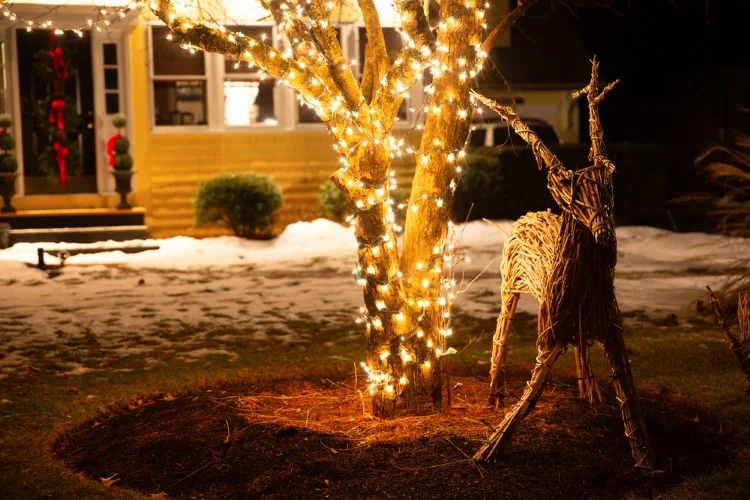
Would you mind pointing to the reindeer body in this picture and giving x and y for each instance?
(567, 263)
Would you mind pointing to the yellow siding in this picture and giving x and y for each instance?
(169, 166)
(297, 162)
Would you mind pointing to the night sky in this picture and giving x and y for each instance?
(685, 71)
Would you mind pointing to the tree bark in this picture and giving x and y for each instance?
(406, 308)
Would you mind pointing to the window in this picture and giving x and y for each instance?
(393, 45)
(248, 93)
(111, 78)
(194, 88)
(180, 83)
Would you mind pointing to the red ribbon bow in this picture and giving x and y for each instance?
(58, 63)
(111, 149)
(61, 153)
(57, 113)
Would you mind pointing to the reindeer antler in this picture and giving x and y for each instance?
(594, 97)
(544, 157)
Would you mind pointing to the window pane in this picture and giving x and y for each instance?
(171, 59)
(260, 33)
(110, 78)
(180, 102)
(112, 103)
(110, 54)
(248, 101)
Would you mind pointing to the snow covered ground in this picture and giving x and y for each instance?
(226, 291)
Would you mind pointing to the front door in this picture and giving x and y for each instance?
(44, 135)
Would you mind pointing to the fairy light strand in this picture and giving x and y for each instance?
(358, 128)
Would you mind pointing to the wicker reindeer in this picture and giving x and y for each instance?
(567, 263)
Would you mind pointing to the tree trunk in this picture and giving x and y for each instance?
(427, 257)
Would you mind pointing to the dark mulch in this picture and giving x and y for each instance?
(204, 445)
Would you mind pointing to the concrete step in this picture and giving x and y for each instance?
(67, 218)
(79, 234)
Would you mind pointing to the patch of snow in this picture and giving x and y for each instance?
(229, 291)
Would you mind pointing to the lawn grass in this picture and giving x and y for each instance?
(688, 363)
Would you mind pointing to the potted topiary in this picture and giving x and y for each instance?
(8, 164)
(120, 161)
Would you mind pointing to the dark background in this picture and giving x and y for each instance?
(684, 67)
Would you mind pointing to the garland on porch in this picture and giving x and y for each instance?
(56, 114)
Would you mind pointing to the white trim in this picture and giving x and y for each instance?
(15, 104)
(103, 128)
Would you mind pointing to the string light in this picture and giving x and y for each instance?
(417, 306)
(105, 17)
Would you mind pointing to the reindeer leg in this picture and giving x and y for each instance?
(539, 375)
(500, 348)
(630, 408)
(587, 387)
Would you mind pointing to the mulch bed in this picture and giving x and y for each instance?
(296, 438)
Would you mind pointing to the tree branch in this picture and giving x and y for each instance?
(506, 23)
(299, 36)
(375, 38)
(326, 39)
(411, 60)
(248, 49)
(544, 157)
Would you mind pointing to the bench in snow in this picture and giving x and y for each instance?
(63, 254)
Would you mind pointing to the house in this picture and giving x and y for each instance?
(190, 115)
(537, 67)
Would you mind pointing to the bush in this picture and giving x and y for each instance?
(122, 145)
(246, 203)
(8, 163)
(335, 206)
(7, 143)
(123, 162)
(333, 203)
(506, 183)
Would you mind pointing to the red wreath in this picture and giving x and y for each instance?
(57, 107)
(57, 113)
(61, 152)
(111, 148)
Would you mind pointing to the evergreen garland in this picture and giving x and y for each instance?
(56, 114)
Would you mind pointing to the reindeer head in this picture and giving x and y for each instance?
(584, 194)
(587, 196)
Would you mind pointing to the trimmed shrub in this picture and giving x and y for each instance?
(7, 143)
(123, 161)
(506, 183)
(122, 145)
(333, 203)
(8, 163)
(246, 203)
